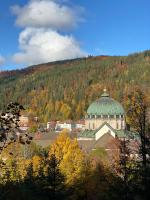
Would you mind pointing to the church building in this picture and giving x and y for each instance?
(104, 124)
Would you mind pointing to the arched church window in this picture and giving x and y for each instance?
(93, 126)
(117, 125)
(121, 124)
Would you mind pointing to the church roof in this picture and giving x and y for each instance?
(87, 134)
(119, 133)
(105, 106)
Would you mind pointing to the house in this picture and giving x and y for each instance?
(69, 125)
(24, 122)
(51, 125)
(80, 125)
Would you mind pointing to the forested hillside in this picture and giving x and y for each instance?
(63, 90)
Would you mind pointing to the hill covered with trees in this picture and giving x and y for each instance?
(63, 90)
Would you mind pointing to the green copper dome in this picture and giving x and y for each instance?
(105, 106)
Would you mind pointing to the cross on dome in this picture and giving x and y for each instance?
(105, 94)
(104, 90)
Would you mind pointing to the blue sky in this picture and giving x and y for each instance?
(71, 28)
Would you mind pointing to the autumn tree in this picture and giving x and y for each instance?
(72, 164)
(69, 156)
(137, 117)
(9, 126)
(127, 168)
(54, 179)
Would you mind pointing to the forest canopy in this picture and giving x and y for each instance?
(63, 90)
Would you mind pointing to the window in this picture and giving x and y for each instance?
(117, 125)
(93, 126)
(89, 125)
(122, 125)
(105, 116)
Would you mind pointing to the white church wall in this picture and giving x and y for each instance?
(105, 129)
(92, 124)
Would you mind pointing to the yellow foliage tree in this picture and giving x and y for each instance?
(70, 157)
(72, 164)
(136, 105)
(36, 162)
(60, 147)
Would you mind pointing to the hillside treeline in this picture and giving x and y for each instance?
(63, 90)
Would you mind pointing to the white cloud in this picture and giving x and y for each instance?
(40, 45)
(41, 40)
(2, 60)
(46, 13)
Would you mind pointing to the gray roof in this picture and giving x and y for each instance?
(45, 139)
(107, 141)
